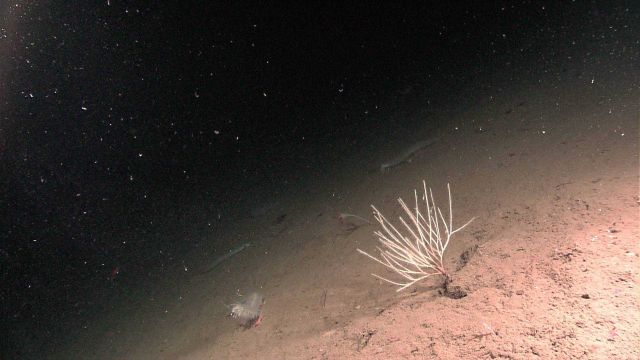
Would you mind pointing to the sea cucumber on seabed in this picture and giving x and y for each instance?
(248, 310)
(407, 154)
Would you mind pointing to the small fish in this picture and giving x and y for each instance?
(114, 273)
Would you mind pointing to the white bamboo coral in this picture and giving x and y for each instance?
(416, 251)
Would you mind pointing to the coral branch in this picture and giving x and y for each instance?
(417, 253)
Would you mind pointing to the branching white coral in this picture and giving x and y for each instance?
(417, 251)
